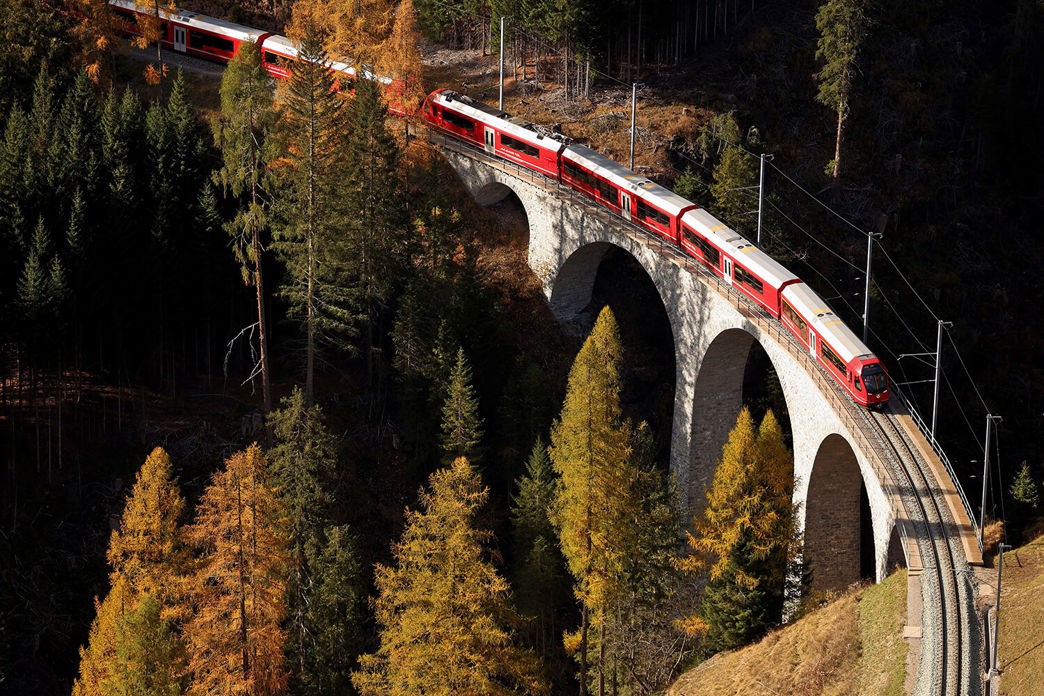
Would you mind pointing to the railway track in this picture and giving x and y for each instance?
(916, 494)
(943, 563)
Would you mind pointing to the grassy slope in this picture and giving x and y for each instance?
(853, 645)
(1022, 621)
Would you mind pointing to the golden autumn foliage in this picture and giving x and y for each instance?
(443, 607)
(749, 512)
(95, 32)
(101, 669)
(399, 57)
(131, 648)
(353, 29)
(237, 587)
(590, 452)
(146, 548)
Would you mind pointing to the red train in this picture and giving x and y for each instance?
(215, 39)
(641, 201)
(632, 196)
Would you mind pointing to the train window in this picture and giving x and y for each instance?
(519, 146)
(208, 42)
(794, 318)
(858, 384)
(742, 275)
(830, 356)
(434, 110)
(710, 254)
(647, 212)
(455, 119)
(277, 60)
(606, 191)
(575, 172)
(874, 377)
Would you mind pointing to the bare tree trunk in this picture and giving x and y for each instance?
(266, 389)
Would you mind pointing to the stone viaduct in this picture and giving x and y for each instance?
(713, 333)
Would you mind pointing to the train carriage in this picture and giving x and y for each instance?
(190, 32)
(735, 259)
(495, 131)
(633, 196)
(834, 345)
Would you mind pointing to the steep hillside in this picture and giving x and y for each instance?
(852, 646)
(1022, 608)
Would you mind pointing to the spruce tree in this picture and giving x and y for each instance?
(734, 174)
(442, 607)
(373, 210)
(238, 589)
(590, 452)
(313, 127)
(334, 615)
(842, 27)
(303, 463)
(1025, 493)
(538, 564)
(461, 423)
(244, 134)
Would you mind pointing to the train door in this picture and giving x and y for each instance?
(179, 39)
(491, 146)
(728, 270)
(625, 205)
(811, 341)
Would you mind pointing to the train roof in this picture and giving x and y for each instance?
(280, 43)
(818, 313)
(195, 19)
(520, 128)
(736, 245)
(594, 161)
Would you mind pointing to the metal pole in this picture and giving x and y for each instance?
(997, 607)
(761, 195)
(634, 98)
(938, 365)
(985, 474)
(501, 62)
(866, 294)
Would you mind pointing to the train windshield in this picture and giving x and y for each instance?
(874, 378)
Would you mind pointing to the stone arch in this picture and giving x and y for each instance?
(834, 533)
(491, 193)
(717, 401)
(571, 292)
(895, 556)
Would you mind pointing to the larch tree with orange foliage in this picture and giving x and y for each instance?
(133, 645)
(354, 30)
(96, 32)
(745, 536)
(399, 59)
(443, 607)
(151, 26)
(237, 589)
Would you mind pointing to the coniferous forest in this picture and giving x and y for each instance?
(283, 411)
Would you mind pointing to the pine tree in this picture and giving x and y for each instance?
(444, 604)
(461, 423)
(244, 133)
(691, 186)
(1025, 493)
(373, 208)
(312, 125)
(538, 564)
(842, 25)
(745, 536)
(733, 177)
(590, 452)
(334, 618)
(303, 462)
(34, 297)
(234, 635)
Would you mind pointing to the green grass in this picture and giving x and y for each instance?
(882, 659)
(1022, 621)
